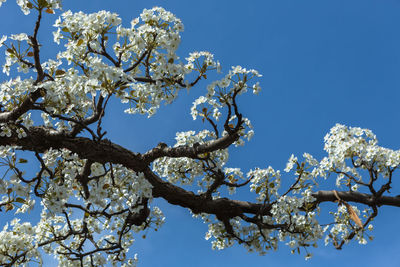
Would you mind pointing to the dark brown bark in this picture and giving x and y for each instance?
(40, 139)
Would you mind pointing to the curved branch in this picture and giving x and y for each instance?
(351, 196)
(24, 107)
(189, 151)
(32, 97)
(40, 139)
(36, 50)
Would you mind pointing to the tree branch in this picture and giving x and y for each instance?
(189, 151)
(40, 140)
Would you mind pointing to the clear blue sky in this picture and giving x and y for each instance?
(323, 62)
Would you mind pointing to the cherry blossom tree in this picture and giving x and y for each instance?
(95, 195)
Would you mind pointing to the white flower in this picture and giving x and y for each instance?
(57, 36)
(256, 88)
(354, 187)
(3, 38)
(19, 37)
(290, 163)
(362, 241)
(24, 6)
(5, 131)
(21, 133)
(308, 256)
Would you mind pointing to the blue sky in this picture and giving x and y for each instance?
(323, 62)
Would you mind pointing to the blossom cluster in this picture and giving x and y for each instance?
(222, 93)
(88, 35)
(349, 149)
(19, 239)
(185, 170)
(117, 193)
(26, 5)
(353, 148)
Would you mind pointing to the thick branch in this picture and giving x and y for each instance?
(40, 140)
(190, 151)
(25, 106)
(197, 203)
(349, 196)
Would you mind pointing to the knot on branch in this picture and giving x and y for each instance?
(140, 217)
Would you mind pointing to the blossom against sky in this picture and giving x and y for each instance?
(322, 63)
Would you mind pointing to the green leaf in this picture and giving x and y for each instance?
(42, 3)
(59, 72)
(80, 41)
(42, 92)
(21, 160)
(65, 29)
(9, 207)
(203, 68)
(20, 200)
(258, 189)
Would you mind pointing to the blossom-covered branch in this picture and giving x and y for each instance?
(95, 195)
